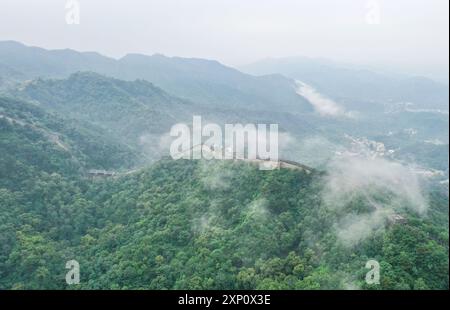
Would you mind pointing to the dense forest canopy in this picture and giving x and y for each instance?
(206, 225)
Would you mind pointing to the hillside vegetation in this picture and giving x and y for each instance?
(206, 224)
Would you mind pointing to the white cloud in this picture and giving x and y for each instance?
(323, 105)
(382, 186)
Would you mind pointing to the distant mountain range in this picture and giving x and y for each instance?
(137, 99)
(268, 85)
(199, 80)
(350, 82)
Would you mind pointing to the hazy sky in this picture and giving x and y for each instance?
(410, 33)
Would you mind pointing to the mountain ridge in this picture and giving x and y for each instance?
(195, 79)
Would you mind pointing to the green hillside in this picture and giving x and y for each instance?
(34, 141)
(211, 225)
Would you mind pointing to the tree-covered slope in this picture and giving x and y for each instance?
(208, 224)
(137, 112)
(34, 142)
(131, 112)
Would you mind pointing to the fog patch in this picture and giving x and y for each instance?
(322, 104)
(353, 228)
(379, 186)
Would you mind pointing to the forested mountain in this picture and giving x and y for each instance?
(202, 81)
(9, 77)
(127, 110)
(139, 114)
(209, 82)
(33, 62)
(378, 190)
(35, 142)
(207, 225)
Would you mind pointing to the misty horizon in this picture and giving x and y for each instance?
(318, 60)
(406, 37)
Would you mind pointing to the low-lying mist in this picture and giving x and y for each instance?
(322, 104)
(379, 187)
